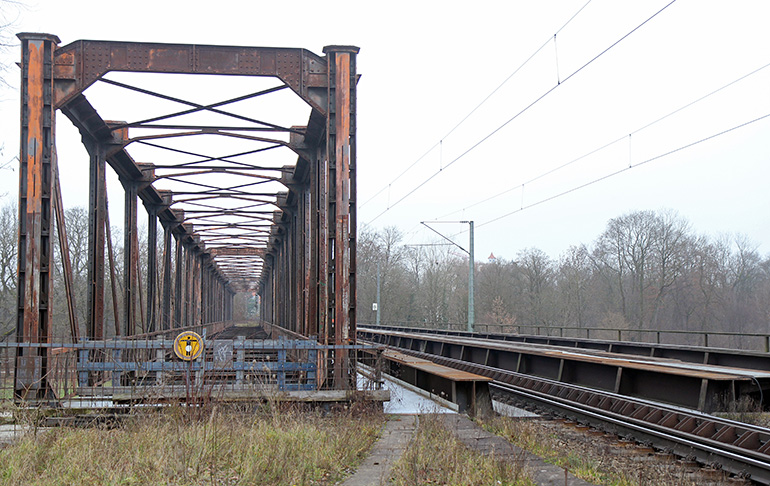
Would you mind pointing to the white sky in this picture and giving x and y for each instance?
(426, 65)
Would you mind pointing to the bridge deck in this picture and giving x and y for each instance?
(693, 385)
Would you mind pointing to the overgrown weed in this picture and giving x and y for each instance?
(746, 410)
(270, 446)
(436, 456)
(592, 459)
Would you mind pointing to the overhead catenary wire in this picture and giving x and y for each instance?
(620, 171)
(470, 113)
(608, 144)
(522, 111)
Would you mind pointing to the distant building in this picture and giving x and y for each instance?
(492, 258)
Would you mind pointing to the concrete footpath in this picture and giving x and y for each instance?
(375, 470)
(476, 438)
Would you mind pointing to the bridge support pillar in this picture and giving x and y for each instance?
(35, 258)
(341, 222)
(97, 209)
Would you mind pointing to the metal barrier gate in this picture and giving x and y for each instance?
(148, 370)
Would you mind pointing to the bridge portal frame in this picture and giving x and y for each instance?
(307, 282)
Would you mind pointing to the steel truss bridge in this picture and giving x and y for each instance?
(241, 204)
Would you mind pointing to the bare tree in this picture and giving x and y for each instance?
(670, 246)
(8, 270)
(575, 277)
(647, 269)
(537, 272)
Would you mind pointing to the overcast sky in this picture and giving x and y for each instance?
(426, 65)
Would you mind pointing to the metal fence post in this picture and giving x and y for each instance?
(83, 360)
(240, 359)
(281, 369)
(116, 358)
(312, 374)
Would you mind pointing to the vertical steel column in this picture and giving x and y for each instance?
(216, 295)
(178, 276)
(166, 314)
(96, 234)
(35, 251)
(212, 295)
(274, 292)
(204, 290)
(324, 247)
(282, 277)
(129, 256)
(297, 258)
(152, 264)
(197, 285)
(188, 273)
(309, 289)
(210, 283)
(340, 134)
(221, 300)
(227, 306)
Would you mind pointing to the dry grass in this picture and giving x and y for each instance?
(436, 457)
(595, 459)
(745, 410)
(213, 448)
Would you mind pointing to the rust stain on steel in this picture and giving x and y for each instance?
(431, 367)
(308, 248)
(342, 209)
(307, 262)
(342, 173)
(34, 188)
(96, 213)
(237, 251)
(300, 69)
(35, 197)
(666, 365)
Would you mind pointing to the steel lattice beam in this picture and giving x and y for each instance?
(295, 246)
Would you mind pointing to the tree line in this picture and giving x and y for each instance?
(647, 270)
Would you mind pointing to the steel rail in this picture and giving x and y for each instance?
(708, 452)
(747, 359)
(738, 448)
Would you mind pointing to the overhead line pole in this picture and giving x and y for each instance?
(471, 266)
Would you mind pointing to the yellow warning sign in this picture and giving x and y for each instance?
(188, 345)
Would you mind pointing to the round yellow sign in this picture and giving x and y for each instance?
(188, 346)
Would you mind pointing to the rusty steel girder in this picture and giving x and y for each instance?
(35, 190)
(294, 248)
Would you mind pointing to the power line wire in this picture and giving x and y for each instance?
(608, 144)
(537, 51)
(624, 169)
(514, 117)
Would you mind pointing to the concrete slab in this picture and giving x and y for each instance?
(375, 470)
(10, 433)
(474, 437)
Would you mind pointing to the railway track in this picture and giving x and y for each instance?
(702, 385)
(755, 360)
(740, 449)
